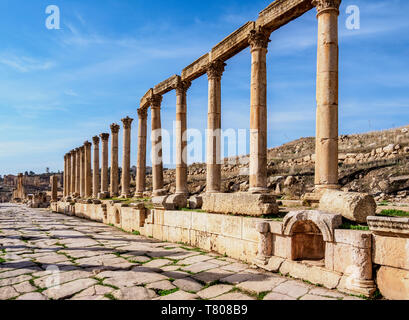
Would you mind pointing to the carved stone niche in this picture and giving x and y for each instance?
(309, 231)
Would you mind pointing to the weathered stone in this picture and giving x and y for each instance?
(161, 285)
(32, 296)
(8, 293)
(68, 289)
(195, 202)
(278, 296)
(188, 284)
(234, 296)
(240, 203)
(393, 283)
(214, 291)
(180, 295)
(262, 285)
(292, 289)
(391, 251)
(134, 293)
(389, 226)
(351, 205)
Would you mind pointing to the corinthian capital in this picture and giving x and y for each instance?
(215, 69)
(259, 39)
(87, 144)
(127, 122)
(104, 136)
(326, 5)
(155, 101)
(115, 128)
(142, 113)
(182, 86)
(95, 140)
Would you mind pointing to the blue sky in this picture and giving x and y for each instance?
(59, 88)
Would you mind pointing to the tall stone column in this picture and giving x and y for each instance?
(95, 172)
(114, 160)
(77, 172)
(126, 158)
(54, 188)
(214, 73)
(141, 162)
(258, 40)
(104, 165)
(73, 176)
(156, 140)
(68, 174)
(65, 176)
(326, 162)
(181, 138)
(82, 172)
(88, 174)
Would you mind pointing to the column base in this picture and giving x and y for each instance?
(321, 187)
(257, 190)
(138, 195)
(103, 195)
(125, 196)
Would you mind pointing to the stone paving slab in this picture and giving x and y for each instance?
(52, 256)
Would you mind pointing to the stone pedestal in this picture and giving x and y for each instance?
(258, 112)
(141, 162)
(156, 140)
(326, 163)
(114, 160)
(87, 170)
(95, 176)
(181, 138)
(214, 73)
(126, 158)
(104, 166)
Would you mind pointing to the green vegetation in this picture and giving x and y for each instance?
(383, 203)
(193, 210)
(2, 260)
(354, 226)
(136, 233)
(110, 296)
(275, 217)
(167, 292)
(394, 213)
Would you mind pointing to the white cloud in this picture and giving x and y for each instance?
(24, 63)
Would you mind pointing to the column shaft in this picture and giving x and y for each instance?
(95, 176)
(68, 174)
(156, 140)
(88, 173)
(258, 112)
(65, 176)
(82, 172)
(214, 74)
(126, 158)
(141, 162)
(77, 172)
(73, 176)
(104, 165)
(326, 163)
(114, 160)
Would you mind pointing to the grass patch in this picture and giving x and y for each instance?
(193, 210)
(383, 203)
(394, 213)
(261, 295)
(275, 217)
(167, 292)
(2, 260)
(110, 296)
(354, 226)
(136, 233)
(193, 249)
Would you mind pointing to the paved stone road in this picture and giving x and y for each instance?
(99, 262)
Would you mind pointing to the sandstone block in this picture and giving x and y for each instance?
(351, 205)
(195, 202)
(391, 251)
(240, 203)
(393, 283)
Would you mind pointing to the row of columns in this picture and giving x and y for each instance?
(326, 166)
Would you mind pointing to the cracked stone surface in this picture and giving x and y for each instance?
(46, 255)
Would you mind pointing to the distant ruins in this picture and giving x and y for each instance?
(309, 244)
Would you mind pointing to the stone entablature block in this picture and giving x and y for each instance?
(167, 85)
(196, 69)
(389, 226)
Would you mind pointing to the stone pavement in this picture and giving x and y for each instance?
(45, 255)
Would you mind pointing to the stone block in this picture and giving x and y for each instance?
(176, 201)
(195, 202)
(249, 232)
(353, 206)
(393, 283)
(282, 246)
(199, 221)
(391, 251)
(356, 238)
(240, 203)
(389, 226)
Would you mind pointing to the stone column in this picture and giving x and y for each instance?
(77, 172)
(258, 40)
(65, 176)
(214, 73)
(54, 188)
(126, 158)
(141, 162)
(95, 172)
(156, 140)
(181, 139)
(114, 160)
(82, 172)
(326, 162)
(73, 175)
(88, 173)
(104, 165)
(68, 174)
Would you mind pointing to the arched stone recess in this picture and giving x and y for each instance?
(309, 231)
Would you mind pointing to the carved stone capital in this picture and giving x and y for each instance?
(95, 140)
(326, 5)
(115, 128)
(182, 86)
(127, 122)
(104, 136)
(155, 101)
(82, 148)
(142, 113)
(77, 150)
(259, 39)
(87, 144)
(215, 69)
(72, 152)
